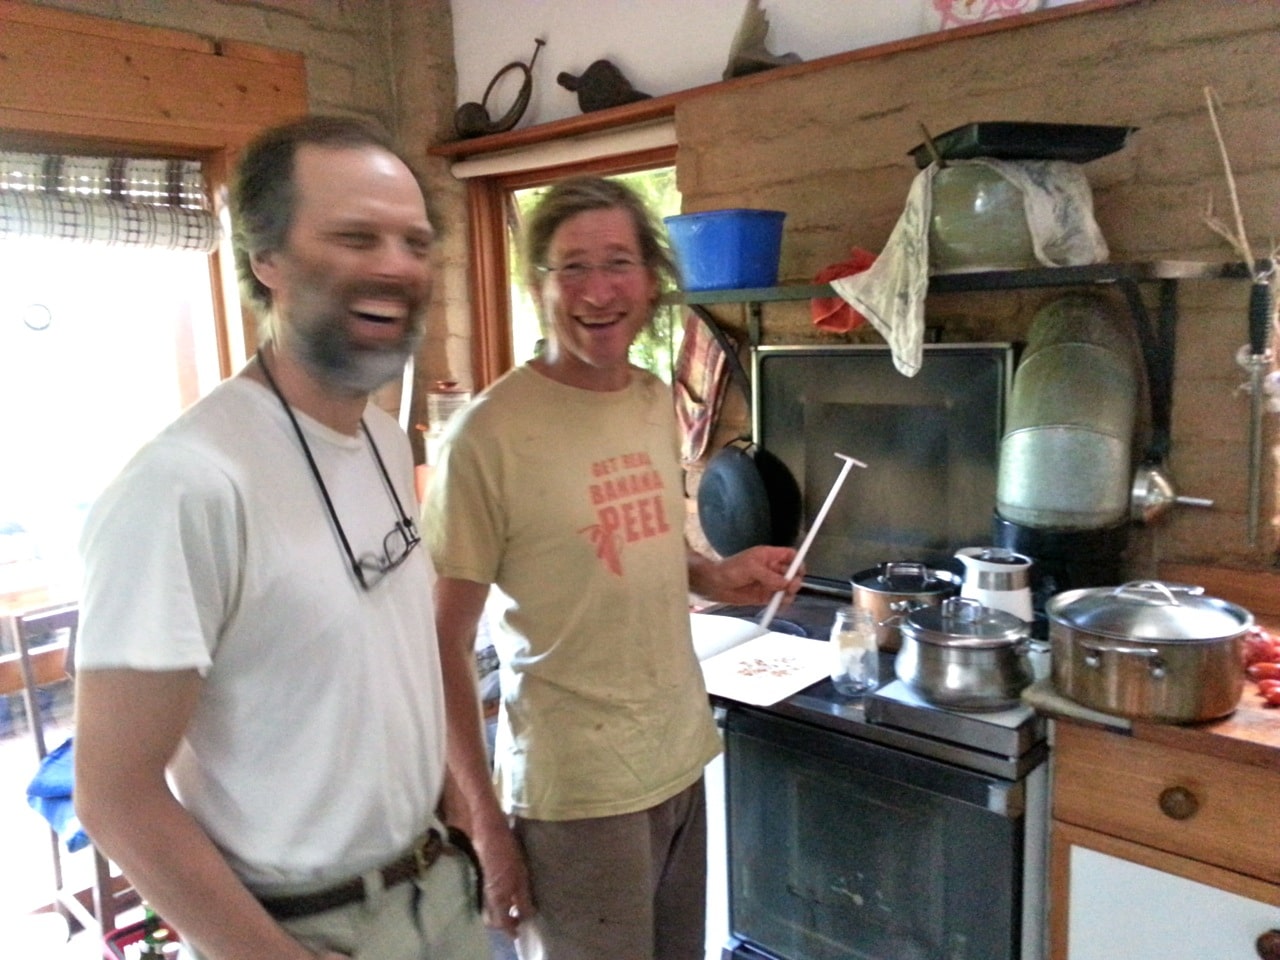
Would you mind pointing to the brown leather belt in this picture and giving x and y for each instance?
(426, 850)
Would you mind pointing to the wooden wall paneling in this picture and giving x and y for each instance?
(45, 70)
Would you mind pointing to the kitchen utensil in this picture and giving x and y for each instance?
(747, 497)
(889, 591)
(997, 577)
(855, 661)
(964, 656)
(1148, 650)
(1077, 143)
(794, 568)
(1153, 495)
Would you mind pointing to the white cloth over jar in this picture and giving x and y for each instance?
(891, 293)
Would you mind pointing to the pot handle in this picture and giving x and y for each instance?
(904, 569)
(1155, 663)
(1153, 591)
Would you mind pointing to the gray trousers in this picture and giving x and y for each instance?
(630, 887)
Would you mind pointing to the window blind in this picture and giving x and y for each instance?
(118, 201)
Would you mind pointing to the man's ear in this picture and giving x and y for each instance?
(265, 268)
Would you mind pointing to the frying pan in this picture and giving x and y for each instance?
(747, 496)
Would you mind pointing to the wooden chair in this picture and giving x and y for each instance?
(27, 669)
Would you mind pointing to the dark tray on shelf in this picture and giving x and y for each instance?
(1075, 142)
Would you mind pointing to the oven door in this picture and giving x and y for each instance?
(843, 848)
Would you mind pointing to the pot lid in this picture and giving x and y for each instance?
(1149, 610)
(964, 622)
(904, 577)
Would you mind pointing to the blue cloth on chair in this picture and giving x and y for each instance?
(49, 795)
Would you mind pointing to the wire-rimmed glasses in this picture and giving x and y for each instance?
(396, 547)
(615, 268)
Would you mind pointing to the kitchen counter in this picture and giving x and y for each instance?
(1250, 735)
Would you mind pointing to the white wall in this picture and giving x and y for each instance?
(661, 46)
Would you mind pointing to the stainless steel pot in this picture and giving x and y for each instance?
(891, 590)
(1148, 650)
(965, 656)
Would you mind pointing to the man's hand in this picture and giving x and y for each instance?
(752, 576)
(507, 896)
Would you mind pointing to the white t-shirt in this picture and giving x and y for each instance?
(317, 748)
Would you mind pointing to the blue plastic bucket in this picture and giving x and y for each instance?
(727, 249)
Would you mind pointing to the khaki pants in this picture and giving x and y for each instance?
(630, 887)
(431, 918)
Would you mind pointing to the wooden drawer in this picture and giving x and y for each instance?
(1116, 785)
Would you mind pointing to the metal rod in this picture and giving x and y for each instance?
(776, 601)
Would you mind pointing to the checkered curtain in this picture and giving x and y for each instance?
(162, 204)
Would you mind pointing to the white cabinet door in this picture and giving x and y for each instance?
(1119, 909)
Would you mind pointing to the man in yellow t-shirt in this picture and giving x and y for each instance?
(561, 485)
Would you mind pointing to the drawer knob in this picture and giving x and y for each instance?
(1179, 803)
(1268, 945)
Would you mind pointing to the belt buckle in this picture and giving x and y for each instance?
(426, 852)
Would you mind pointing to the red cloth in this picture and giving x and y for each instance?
(833, 313)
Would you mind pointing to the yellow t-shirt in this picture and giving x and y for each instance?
(571, 502)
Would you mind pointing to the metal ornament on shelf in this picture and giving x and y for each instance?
(472, 119)
(601, 86)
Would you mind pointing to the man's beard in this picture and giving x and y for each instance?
(324, 347)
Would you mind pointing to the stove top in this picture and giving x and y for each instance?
(1010, 732)
(1005, 743)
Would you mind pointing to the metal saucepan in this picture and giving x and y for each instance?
(965, 656)
(1148, 650)
(891, 590)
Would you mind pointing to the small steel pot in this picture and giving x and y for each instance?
(889, 591)
(965, 656)
(1148, 650)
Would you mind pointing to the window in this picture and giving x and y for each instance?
(100, 347)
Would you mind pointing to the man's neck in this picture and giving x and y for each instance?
(336, 409)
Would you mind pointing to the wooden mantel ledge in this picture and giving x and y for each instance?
(659, 108)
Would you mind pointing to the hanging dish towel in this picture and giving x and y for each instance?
(698, 386)
(891, 293)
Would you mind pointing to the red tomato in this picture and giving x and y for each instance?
(1269, 687)
(1260, 649)
(1264, 671)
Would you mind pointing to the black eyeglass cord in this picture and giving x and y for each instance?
(315, 470)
